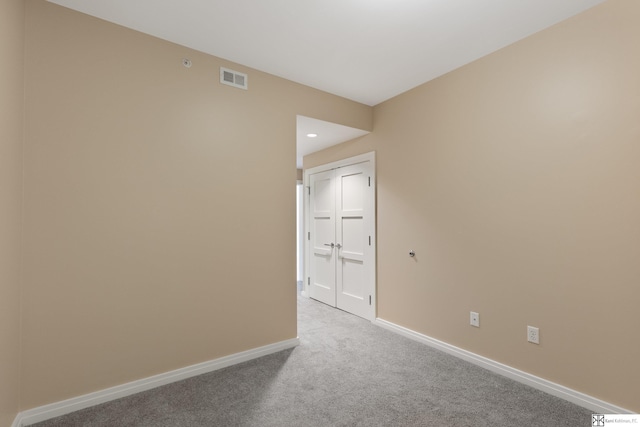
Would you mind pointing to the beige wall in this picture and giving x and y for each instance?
(145, 250)
(515, 180)
(11, 138)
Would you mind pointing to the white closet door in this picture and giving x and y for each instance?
(352, 239)
(322, 224)
(341, 225)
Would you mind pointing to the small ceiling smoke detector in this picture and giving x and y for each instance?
(234, 78)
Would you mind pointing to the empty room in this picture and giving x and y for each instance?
(470, 224)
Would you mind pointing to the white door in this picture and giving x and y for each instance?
(341, 226)
(352, 239)
(322, 224)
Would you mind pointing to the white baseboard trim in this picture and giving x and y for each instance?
(596, 405)
(18, 421)
(57, 409)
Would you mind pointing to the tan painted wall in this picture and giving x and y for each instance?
(515, 179)
(145, 250)
(11, 139)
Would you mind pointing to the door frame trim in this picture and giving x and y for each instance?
(362, 158)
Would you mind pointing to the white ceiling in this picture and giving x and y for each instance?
(327, 134)
(364, 50)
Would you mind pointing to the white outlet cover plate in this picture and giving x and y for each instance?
(533, 334)
(474, 319)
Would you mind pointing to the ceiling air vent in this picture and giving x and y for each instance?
(234, 78)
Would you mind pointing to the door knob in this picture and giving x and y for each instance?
(329, 244)
(338, 245)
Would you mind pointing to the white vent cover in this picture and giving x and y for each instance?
(234, 78)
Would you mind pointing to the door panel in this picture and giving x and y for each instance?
(351, 195)
(324, 280)
(324, 197)
(352, 279)
(322, 224)
(353, 239)
(351, 199)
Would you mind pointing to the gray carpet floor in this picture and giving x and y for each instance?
(346, 372)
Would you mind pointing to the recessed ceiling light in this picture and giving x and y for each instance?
(312, 135)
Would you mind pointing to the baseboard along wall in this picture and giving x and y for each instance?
(596, 405)
(64, 407)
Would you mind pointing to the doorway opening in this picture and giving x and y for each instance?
(339, 235)
(314, 135)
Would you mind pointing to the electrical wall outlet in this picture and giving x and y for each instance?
(474, 319)
(533, 334)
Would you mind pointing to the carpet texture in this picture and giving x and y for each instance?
(346, 372)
